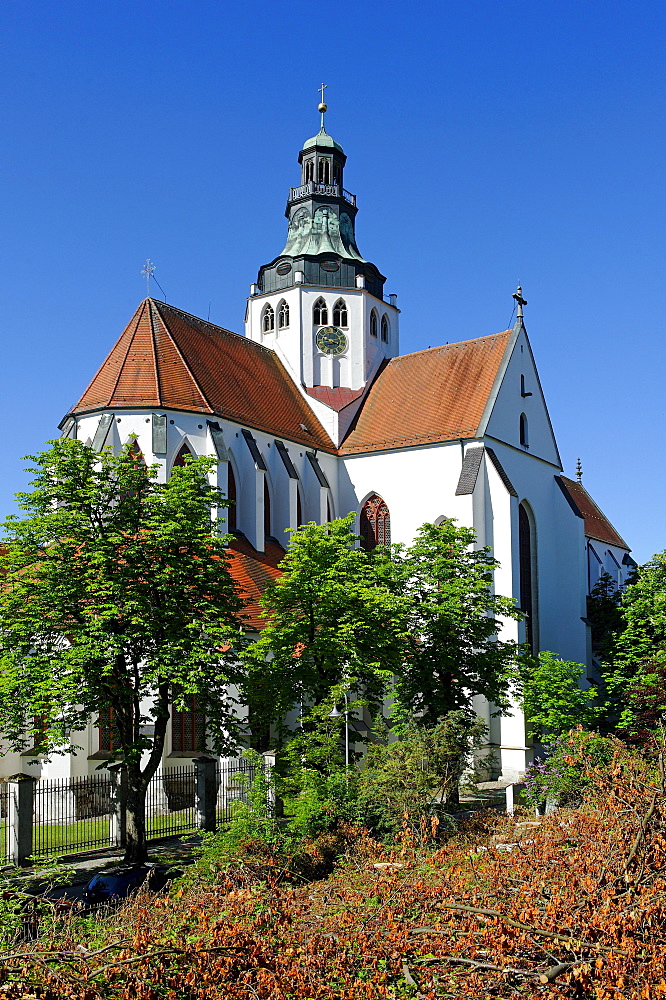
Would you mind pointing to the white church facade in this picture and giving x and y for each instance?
(313, 413)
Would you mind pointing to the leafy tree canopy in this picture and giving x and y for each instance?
(552, 697)
(636, 661)
(116, 596)
(455, 622)
(330, 617)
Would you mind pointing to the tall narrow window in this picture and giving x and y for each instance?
(373, 323)
(325, 171)
(524, 436)
(267, 510)
(526, 561)
(231, 496)
(299, 510)
(309, 171)
(283, 315)
(385, 329)
(188, 726)
(268, 319)
(320, 313)
(340, 313)
(375, 523)
(106, 729)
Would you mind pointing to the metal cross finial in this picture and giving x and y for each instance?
(579, 471)
(518, 296)
(323, 107)
(147, 271)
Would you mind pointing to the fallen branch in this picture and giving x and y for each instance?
(565, 938)
(548, 976)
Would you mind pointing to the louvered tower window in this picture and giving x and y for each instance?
(283, 315)
(320, 313)
(340, 313)
(268, 319)
(385, 329)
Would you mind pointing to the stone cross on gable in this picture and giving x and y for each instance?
(518, 296)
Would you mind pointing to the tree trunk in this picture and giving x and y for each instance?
(136, 850)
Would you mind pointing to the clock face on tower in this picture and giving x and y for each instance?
(330, 340)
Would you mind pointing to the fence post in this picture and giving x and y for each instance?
(205, 793)
(118, 819)
(20, 815)
(273, 805)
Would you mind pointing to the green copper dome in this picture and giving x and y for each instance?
(322, 138)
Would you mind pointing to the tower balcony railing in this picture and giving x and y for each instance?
(313, 187)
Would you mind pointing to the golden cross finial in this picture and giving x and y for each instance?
(323, 107)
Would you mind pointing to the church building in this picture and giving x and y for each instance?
(313, 413)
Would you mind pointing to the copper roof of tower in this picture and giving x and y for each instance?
(166, 358)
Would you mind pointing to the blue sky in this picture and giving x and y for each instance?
(488, 143)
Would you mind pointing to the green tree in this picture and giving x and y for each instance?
(635, 672)
(454, 622)
(604, 615)
(553, 700)
(117, 598)
(333, 615)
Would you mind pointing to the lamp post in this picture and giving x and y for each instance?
(336, 715)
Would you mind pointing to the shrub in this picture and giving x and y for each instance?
(413, 778)
(565, 773)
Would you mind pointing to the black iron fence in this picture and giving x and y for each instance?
(67, 815)
(233, 778)
(171, 802)
(70, 815)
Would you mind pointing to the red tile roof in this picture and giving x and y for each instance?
(169, 359)
(597, 524)
(253, 572)
(434, 395)
(336, 398)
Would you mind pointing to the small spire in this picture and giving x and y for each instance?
(579, 471)
(147, 271)
(518, 296)
(323, 107)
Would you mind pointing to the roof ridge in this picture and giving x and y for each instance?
(446, 347)
(189, 371)
(158, 381)
(121, 367)
(213, 326)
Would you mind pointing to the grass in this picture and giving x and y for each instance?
(56, 838)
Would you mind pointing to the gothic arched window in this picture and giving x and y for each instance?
(309, 171)
(231, 497)
(375, 523)
(268, 319)
(340, 313)
(324, 171)
(524, 436)
(135, 453)
(320, 313)
(184, 453)
(385, 329)
(373, 323)
(527, 563)
(283, 315)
